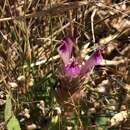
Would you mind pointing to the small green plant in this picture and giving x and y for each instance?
(11, 121)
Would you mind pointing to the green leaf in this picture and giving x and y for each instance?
(8, 108)
(10, 119)
(54, 124)
(102, 122)
(55, 119)
(13, 124)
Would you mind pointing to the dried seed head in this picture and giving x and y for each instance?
(58, 110)
(101, 89)
(21, 78)
(31, 82)
(31, 127)
(118, 118)
(69, 128)
(26, 113)
(41, 106)
(13, 84)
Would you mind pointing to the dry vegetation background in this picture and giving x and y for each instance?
(30, 31)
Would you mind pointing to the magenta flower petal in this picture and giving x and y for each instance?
(95, 59)
(65, 49)
(72, 69)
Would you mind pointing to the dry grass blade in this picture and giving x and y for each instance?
(55, 10)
